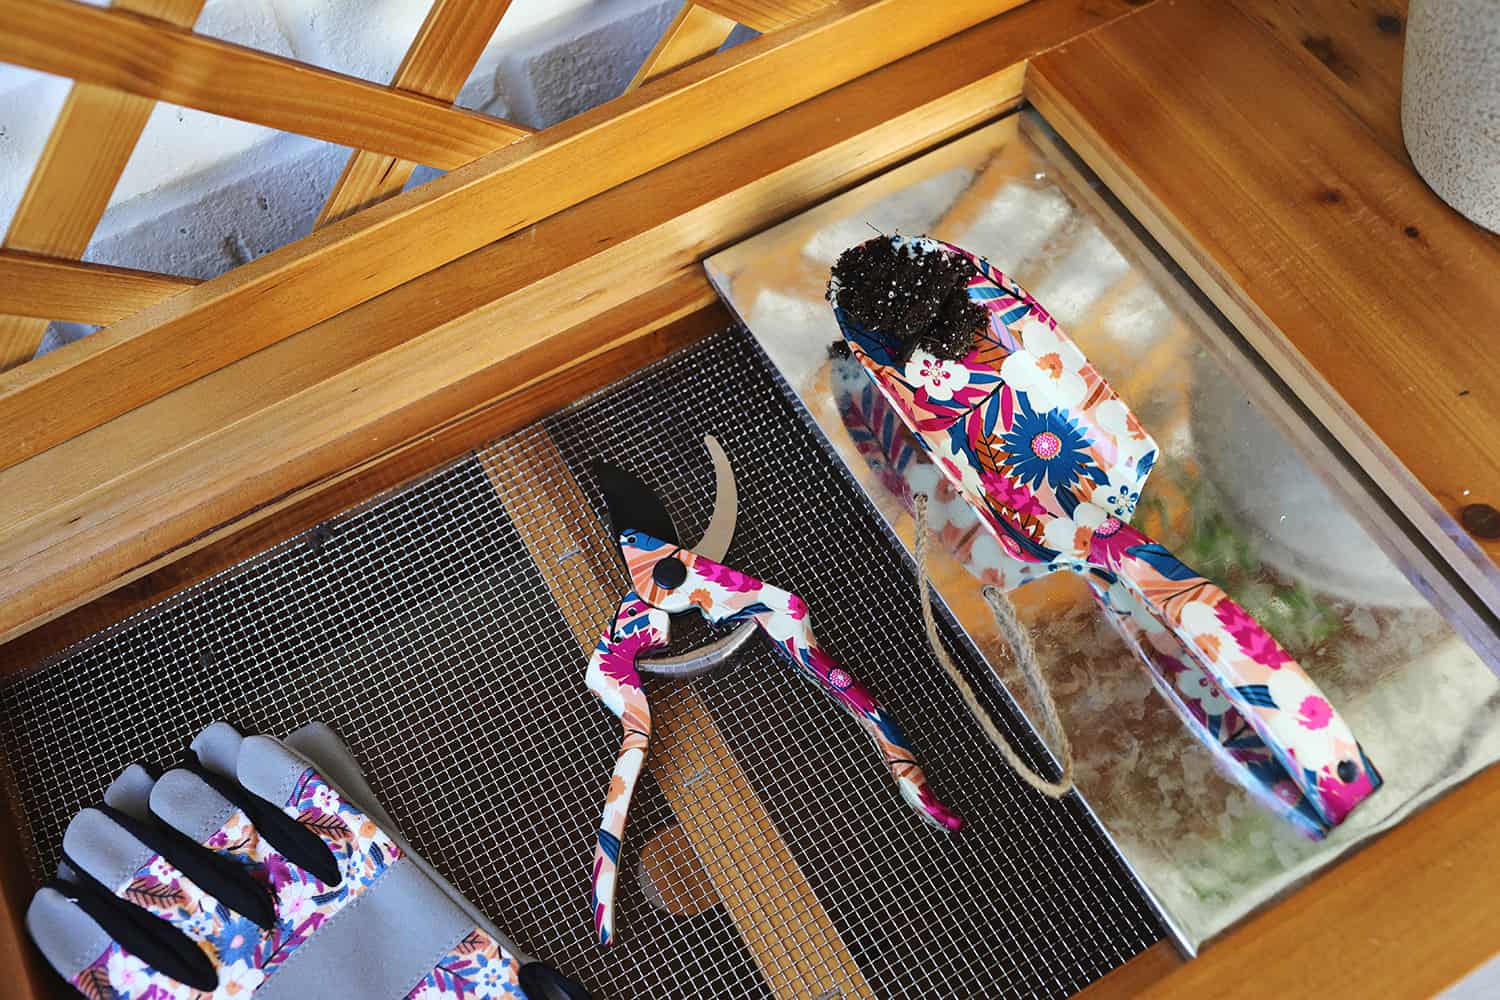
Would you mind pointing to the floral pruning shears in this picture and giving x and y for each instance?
(1036, 441)
(666, 579)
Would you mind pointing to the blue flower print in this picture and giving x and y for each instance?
(1048, 446)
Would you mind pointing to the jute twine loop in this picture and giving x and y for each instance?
(1025, 653)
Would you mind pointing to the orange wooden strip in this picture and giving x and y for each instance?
(56, 288)
(150, 58)
(766, 15)
(694, 33)
(91, 141)
(1353, 280)
(440, 58)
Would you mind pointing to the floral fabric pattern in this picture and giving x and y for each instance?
(477, 968)
(722, 594)
(1054, 463)
(245, 954)
(636, 629)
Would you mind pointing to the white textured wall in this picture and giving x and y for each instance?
(202, 194)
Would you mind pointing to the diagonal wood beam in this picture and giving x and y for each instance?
(694, 33)
(285, 423)
(58, 288)
(440, 59)
(766, 15)
(91, 141)
(144, 56)
(388, 244)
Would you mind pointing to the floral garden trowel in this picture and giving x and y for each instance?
(1053, 461)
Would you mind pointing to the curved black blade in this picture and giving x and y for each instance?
(632, 504)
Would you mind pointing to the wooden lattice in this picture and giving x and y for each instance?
(127, 57)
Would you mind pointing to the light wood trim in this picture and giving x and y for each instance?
(90, 143)
(132, 484)
(1408, 917)
(20, 336)
(1354, 282)
(1135, 976)
(781, 921)
(1353, 48)
(56, 288)
(397, 240)
(441, 57)
(766, 15)
(117, 49)
(694, 33)
(645, 330)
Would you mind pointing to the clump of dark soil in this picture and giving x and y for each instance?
(918, 296)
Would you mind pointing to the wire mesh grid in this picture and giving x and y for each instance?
(437, 629)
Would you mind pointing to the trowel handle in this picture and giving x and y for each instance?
(1260, 679)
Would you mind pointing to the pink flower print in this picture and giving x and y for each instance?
(1338, 797)
(1314, 712)
(1254, 641)
(1008, 493)
(618, 661)
(839, 678)
(796, 607)
(730, 579)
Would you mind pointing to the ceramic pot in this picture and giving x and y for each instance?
(1450, 102)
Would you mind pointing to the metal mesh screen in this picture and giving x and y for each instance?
(420, 627)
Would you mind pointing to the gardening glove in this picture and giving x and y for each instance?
(251, 871)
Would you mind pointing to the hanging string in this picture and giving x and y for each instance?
(1019, 640)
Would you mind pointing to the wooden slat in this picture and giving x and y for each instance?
(390, 243)
(86, 152)
(507, 303)
(1354, 48)
(143, 56)
(441, 57)
(1135, 976)
(55, 288)
(781, 921)
(694, 33)
(644, 330)
(1355, 283)
(766, 15)
(1408, 916)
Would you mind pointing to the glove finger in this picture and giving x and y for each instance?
(131, 791)
(158, 869)
(218, 747)
(105, 947)
(273, 772)
(327, 751)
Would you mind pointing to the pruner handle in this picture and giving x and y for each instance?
(636, 628)
(783, 617)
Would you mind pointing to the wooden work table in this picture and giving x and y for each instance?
(1257, 140)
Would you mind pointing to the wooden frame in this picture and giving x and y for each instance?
(412, 327)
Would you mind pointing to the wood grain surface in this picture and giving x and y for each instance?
(106, 507)
(138, 55)
(1366, 294)
(75, 176)
(59, 288)
(450, 41)
(388, 244)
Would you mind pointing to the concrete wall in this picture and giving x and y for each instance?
(202, 194)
